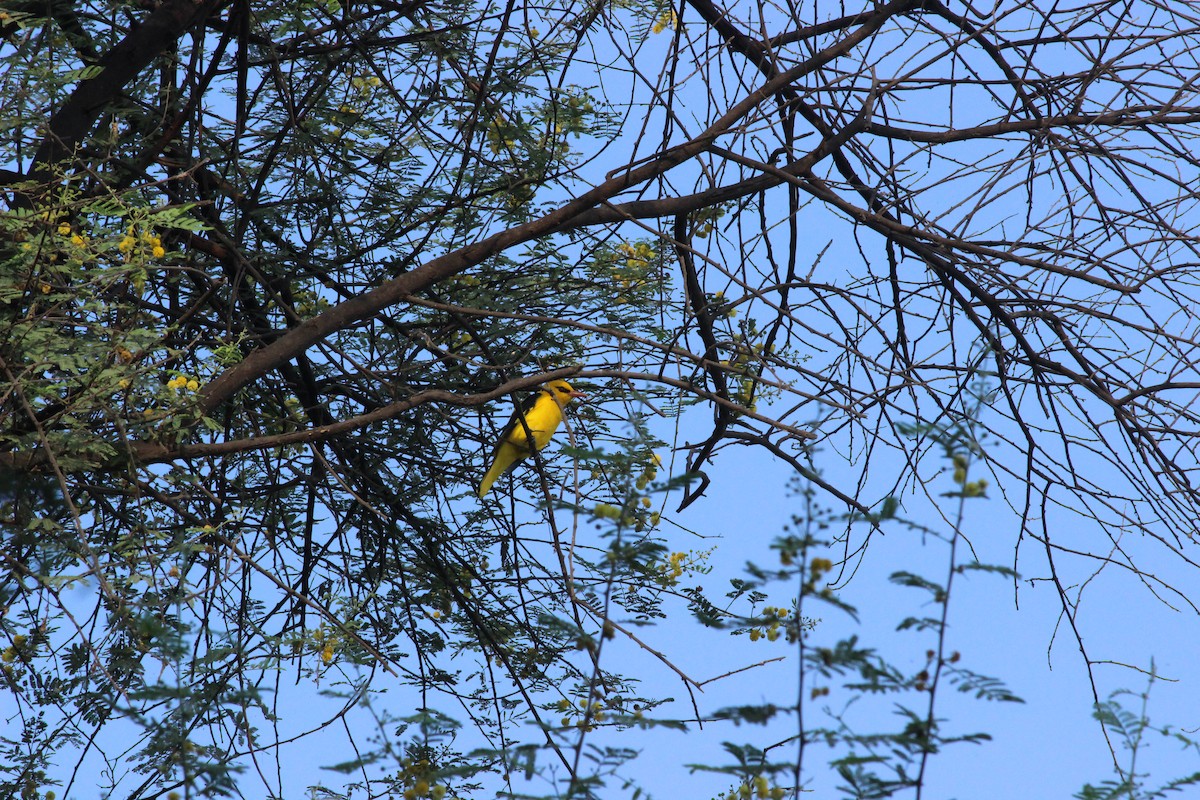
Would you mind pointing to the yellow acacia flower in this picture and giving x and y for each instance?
(366, 84)
(667, 19)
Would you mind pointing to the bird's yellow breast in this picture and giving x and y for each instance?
(541, 420)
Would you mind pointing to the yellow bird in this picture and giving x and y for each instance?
(542, 413)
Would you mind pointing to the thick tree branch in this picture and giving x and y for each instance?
(357, 309)
(69, 126)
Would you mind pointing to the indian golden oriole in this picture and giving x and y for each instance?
(538, 417)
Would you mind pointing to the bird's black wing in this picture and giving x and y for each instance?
(526, 406)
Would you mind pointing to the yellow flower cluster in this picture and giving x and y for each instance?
(719, 305)
(365, 84)
(76, 239)
(586, 716)
(415, 776)
(182, 383)
(747, 361)
(635, 517)
(673, 569)
(680, 563)
(632, 269)
(960, 468)
(638, 254)
(760, 788)
(974, 488)
(774, 619)
(649, 473)
(148, 240)
(325, 642)
(668, 19)
(501, 136)
(634, 512)
(12, 651)
(819, 566)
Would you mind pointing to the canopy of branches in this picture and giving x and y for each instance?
(272, 276)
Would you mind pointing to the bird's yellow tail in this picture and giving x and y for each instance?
(507, 454)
